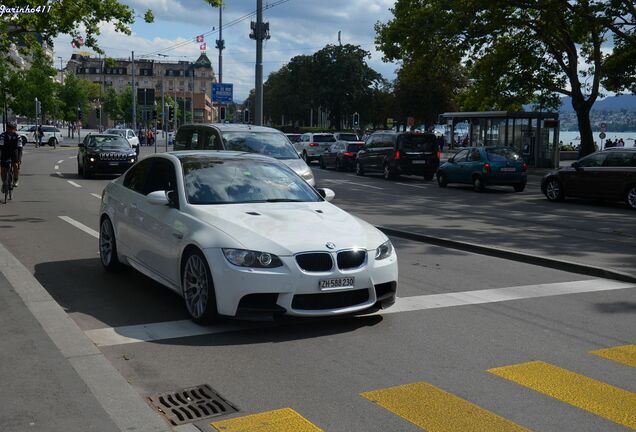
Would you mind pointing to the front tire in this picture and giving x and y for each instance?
(108, 246)
(630, 197)
(442, 180)
(387, 173)
(198, 288)
(554, 190)
(359, 169)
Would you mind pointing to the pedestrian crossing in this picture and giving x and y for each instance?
(435, 410)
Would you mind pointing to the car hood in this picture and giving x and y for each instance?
(289, 228)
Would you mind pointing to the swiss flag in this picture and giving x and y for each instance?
(203, 47)
(200, 38)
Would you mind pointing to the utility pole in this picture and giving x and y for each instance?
(192, 100)
(220, 44)
(163, 112)
(260, 31)
(134, 95)
(101, 84)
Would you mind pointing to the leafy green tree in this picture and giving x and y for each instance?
(517, 51)
(76, 93)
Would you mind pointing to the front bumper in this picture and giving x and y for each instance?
(292, 291)
(108, 167)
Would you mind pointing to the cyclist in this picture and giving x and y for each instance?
(10, 153)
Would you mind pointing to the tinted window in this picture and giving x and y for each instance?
(232, 181)
(107, 143)
(420, 143)
(461, 156)
(187, 139)
(619, 159)
(162, 177)
(212, 140)
(136, 176)
(116, 132)
(595, 160)
(324, 138)
(354, 147)
(50, 129)
(293, 137)
(501, 154)
(349, 137)
(272, 144)
(386, 140)
(474, 155)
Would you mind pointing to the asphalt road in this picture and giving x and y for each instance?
(459, 316)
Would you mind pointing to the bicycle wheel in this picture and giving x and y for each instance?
(10, 183)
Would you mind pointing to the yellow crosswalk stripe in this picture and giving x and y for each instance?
(281, 420)
(625, 354)
(436, 410)
(602, 399)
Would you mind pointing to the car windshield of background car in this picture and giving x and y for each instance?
(349, 137)
(324, 138)
(418, 143)
(234, 181)
(119, 132)
(294, 138)
(108, 143)
(501, 155)
(354, 147)
(270, 144)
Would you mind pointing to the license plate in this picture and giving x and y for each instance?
(113, 163)
(336, 283)
(419, 162)
(508, 169)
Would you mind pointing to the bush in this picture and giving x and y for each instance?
(567, 147)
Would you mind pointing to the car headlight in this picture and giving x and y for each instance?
(132, 160)
(384, 250)
(92, 159)
(249, 258)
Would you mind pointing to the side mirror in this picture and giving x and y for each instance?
(327, 194)
(159, 198)
(172, 198)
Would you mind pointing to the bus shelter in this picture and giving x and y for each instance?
(533, 135)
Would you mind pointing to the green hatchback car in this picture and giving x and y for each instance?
(484, 166)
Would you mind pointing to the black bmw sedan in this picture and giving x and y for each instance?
(609, 175)
(104, 154)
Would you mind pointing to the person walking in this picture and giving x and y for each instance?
(40, 135)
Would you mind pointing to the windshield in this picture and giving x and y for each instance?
(349, 137)
(119, 132)
(108, 143)
(501, 154)
(294, 137)
(234, 181)
(324, 138)
(422, 143)
(271, 144)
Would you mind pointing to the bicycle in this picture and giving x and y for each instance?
(7, 185)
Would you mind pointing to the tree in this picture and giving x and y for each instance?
(76, 93)
(517, 51)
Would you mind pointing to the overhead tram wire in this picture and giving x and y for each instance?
(230, 24)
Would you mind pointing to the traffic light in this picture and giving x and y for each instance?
(356, 119)
(222, 113)
(98, 112)
(170, 113)
(246, 116)
(80, 114)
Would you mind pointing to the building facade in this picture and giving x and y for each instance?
(190, 83)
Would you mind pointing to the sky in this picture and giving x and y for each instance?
(296, 27)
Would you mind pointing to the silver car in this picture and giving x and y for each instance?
(246, 138)
(312, 145)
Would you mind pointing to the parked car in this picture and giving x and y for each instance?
(246, 138)
(484, 166)
(312, 145)
(609, 175)
(341, 155)
(129, 134)
(50, 134)
(396, 153)
(104, 154)
(26, 134)
(347, 137)
(240, 234)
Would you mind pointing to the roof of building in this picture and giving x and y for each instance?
(203, 61)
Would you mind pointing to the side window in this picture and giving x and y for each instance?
(213, 140)
(618, 159)
(461, 156)
(194, 140)
(162, 177)
(474, 156)
(130, 134)
(370, 142)
(136, 177)
(595, 160)
(385, 141)
(187, 139)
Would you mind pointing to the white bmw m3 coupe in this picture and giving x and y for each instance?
(240, 234)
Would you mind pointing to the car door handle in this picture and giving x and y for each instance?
(177, 235)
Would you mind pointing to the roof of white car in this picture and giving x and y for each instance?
(236, 127)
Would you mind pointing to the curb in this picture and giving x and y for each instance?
(508, 254)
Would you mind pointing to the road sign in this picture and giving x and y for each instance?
(389, 122)
(602, 135)
(222, 93)
(410, 121)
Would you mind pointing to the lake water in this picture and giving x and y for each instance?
(575, 137)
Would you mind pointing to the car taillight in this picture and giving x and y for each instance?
(313, 145)
(348, 154)
(439, 154)
(397, 154)
(524, 167)
(487, 168)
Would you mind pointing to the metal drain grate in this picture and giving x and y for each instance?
(191, 404)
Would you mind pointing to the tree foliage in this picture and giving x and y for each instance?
(515, 51)
(37, 82)
(76, 93)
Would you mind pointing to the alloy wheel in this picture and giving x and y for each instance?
(195, 286)
(553, 190)
(631, 197)
(106, 240)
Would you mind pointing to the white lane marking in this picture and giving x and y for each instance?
(72, 157)
(97, 196)
(186, 328)
(74, 184)
(80, 225)
(343, 182)
(435, 301)
(410, 185)
(60, 161)
(57, 167)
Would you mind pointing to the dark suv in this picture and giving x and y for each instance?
(395, 153)
(608, 175)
